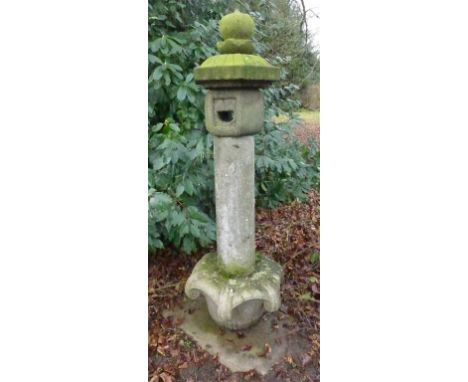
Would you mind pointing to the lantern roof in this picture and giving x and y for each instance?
(237, 61)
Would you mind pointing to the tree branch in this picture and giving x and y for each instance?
(304, 21)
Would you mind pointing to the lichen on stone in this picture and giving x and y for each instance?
(227, 293)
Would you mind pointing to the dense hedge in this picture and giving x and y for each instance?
(180, 163)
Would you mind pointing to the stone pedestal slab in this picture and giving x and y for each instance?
(241, 353)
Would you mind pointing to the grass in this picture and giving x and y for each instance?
(307, 116)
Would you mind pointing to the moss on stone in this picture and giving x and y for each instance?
(208, 267)
(236, 67)
(226, 294)
(235, 45)
(233, 271)
(236, 25)
(236, 61)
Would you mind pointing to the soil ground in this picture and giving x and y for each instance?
(288, 234)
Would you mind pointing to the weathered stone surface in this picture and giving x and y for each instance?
(235, 112)
(242, 353)
(235, 203)
(236, 302)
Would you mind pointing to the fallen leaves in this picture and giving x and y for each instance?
(248, 375)
(162, 375)
(178, 320)
(306, 130)
(165, 377)
(160, 350)
(266, 350)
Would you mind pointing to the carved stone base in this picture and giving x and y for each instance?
(236, 302)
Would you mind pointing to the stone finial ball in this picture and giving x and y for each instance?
(236, 25)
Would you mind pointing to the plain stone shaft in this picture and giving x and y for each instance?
(235, 203)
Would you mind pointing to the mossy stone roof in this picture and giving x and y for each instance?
(236, 66)
(236, 61)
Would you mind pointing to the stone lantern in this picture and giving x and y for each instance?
(238, 283)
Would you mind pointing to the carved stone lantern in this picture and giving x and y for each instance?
(238, 283)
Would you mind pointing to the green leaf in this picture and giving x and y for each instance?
(158, 244)
(188, 244)
(196, 214)
(191, 97)
(160, 204)
(159, 163)
(184, 230)
(177, 218)
(164, 41)
(175, 67)
(158, 73)
(178, 75)
(181, 93)
(315, 258)
(153, 59)
(157, 127)
(160, 200)
(307, 297)
(195, 231)
(189, 187)
(155, 45)
(180, 189)
(175, 47)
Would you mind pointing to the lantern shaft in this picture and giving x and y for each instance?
(235, 203)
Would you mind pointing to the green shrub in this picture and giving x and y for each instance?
(285, 170)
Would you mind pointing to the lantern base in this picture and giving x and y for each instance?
(236, 302)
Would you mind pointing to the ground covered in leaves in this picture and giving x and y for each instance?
(288, 234)
(308, 129)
